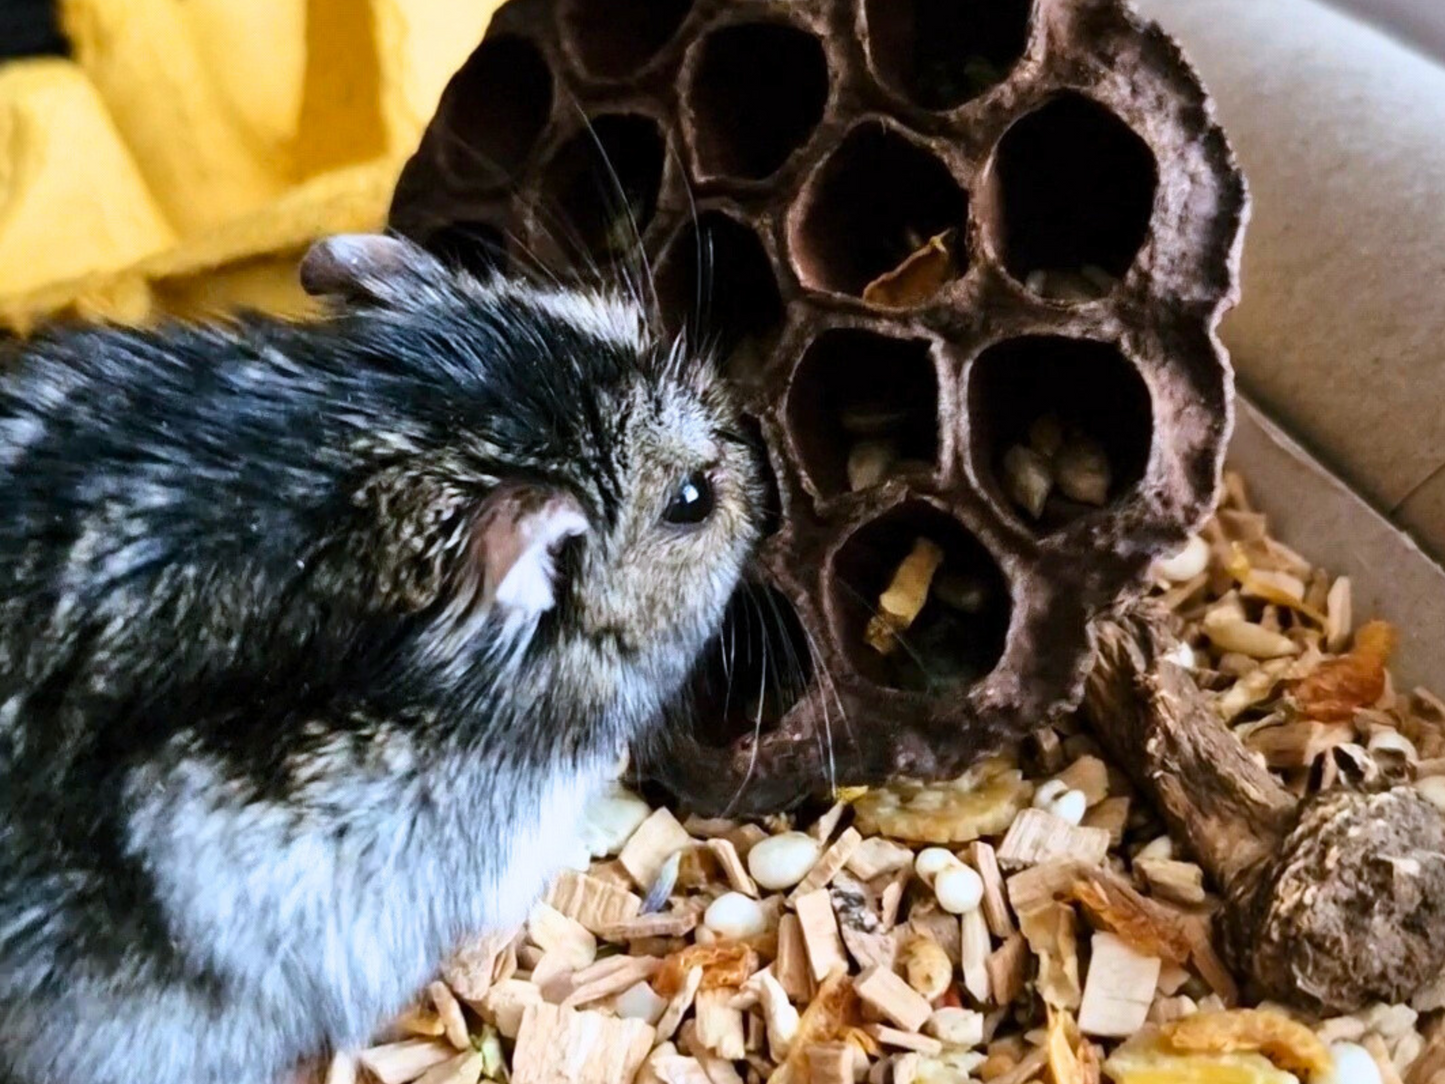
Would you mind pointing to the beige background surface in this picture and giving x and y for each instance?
(1341, 330)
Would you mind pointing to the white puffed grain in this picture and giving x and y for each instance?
(735, 916)
(781, 861)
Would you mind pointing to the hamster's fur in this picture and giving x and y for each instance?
(314, 641)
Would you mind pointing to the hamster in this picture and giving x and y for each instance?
(316, 637)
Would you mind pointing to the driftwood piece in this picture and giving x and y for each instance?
(1330, 903)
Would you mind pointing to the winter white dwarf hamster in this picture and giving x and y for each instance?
(315, 638)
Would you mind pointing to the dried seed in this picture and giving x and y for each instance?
(917, 278)
(1186, 564)
(956, 1027)
(1234, 634)
(959, 889)
(904, 597)
(610, 819)
(869, 462)
(926, 967)
(1028, 478)
(1082, 472)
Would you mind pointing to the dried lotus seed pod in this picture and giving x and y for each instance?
(920, 234)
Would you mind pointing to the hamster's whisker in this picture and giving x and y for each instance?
(624, 205)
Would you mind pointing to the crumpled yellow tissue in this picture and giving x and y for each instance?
(190, 152)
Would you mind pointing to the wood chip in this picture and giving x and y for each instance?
(1089, 775)
(892, 998)
(719, 1026)
(470, 971)
(505, 1004)
(1119, 988)
(975, 948)
(791, 967)
(679, 1003)
(876, 856)
(403, 1062)
(823, 828)
(1181, 882)
(564, 1046)
(904, 1040)
(1049, 930)
(465, 1068)
(1038, 836)
(732, 865)
(656, 840)
(829, 863)
(342, 1069)
(454, 1022)
(1112, 815)
(830, 1063)
(608, 977)
(560, 934)
(821, 937)
(593, 903)
(663, 924)
(677, 1069)
(984, 859)
(1008, 969)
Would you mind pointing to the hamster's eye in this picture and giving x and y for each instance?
(691, 502)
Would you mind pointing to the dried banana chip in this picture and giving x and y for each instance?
(1145, 1059)
(983, 801)
(1284, 1041)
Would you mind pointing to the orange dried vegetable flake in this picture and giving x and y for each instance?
(1340, 686)
(918, 277)
(828, 1016)
(723, 963)
(1287, 1043)
(1147, 927)
(1072, 1058)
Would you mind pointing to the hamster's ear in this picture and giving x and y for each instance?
(514, 544)
(368, 268)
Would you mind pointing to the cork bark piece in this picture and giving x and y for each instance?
(951, 256)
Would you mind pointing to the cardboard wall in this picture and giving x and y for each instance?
(1341, 331)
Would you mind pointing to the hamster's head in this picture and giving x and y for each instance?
(571, 481)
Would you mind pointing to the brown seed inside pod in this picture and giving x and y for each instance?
(856, 391)
(1090, 393)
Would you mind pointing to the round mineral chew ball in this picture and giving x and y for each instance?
(932, 861)
(1352, 1064)
(783, 860)
(959, 890)
(735, 916)
(1071, 806)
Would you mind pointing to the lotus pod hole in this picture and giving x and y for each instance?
(757, 94)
